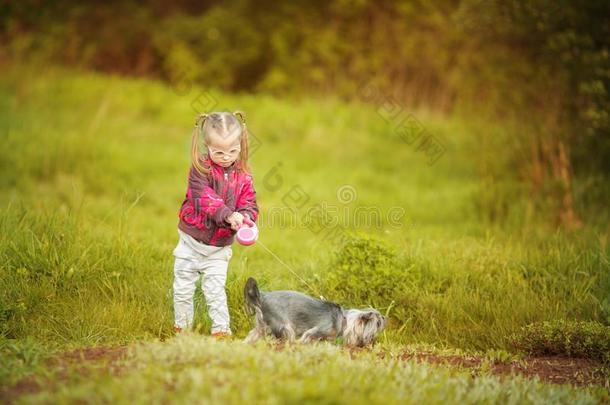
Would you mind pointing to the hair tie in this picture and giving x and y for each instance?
(200, 119)
(241, 116)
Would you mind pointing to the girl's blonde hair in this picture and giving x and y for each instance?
(223, 124)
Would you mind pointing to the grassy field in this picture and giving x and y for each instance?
(193, 369)
(94, 171)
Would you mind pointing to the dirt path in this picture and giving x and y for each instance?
(101, 357)
(557, 370)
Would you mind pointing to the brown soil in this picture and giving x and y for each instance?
(81, 359)
(556, 369)
(111, 354)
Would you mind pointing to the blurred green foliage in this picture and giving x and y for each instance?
(20, 358)
(542, 63)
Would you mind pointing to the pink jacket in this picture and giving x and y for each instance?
(211, 199)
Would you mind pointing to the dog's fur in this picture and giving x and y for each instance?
(291, 315)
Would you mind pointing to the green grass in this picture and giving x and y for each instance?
(94, 171)
(193, 369)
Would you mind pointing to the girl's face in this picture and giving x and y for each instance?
(224, 151)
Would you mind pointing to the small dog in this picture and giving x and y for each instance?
(289, 315)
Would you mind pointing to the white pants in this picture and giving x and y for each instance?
(193, 259)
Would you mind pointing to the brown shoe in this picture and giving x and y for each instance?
(177, 330)
(221, 335)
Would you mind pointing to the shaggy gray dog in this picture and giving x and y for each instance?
(291, 315)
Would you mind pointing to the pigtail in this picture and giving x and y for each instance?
(197, 133)
(243, 142)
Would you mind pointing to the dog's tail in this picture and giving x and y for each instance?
(252, 296)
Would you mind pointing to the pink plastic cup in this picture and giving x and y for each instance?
(247, 234)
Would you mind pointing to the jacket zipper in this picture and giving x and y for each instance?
(226, 186)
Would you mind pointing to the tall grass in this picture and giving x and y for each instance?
(94, 171)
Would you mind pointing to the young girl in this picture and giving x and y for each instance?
(220, 194)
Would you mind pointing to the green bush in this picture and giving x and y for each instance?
(585, 339)
(364, 271)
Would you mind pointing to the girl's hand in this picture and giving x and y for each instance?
(236, 220)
